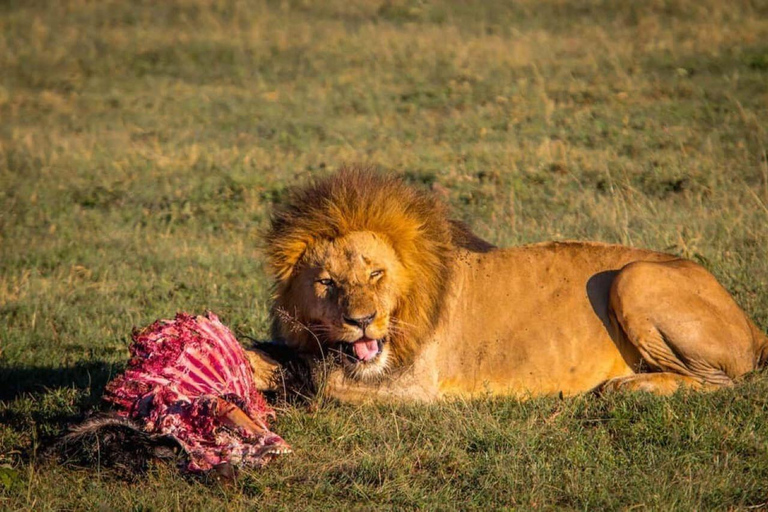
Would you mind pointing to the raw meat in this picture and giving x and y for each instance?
(189, 379)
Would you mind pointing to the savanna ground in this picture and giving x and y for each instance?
(142, 145)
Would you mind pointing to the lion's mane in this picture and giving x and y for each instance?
(360, 199)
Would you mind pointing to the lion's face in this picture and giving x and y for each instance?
(361, 261)
(348, 289)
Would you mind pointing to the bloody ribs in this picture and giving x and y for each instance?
(188, 378)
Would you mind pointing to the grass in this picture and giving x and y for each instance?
(143, 144)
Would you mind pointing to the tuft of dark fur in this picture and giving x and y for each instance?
(296, 380)
(463, 237)
(115, 443)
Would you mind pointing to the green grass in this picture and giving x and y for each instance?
(142, 145)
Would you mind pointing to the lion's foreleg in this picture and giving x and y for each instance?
(264, 369)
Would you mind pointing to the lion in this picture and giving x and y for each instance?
(385, 297)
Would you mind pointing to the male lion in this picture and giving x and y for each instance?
(371, 274)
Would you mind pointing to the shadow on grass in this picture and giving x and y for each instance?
(20, 380)
(37, 403)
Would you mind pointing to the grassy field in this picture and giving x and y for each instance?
(142, 145)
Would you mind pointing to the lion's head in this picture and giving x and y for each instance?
(360, 262)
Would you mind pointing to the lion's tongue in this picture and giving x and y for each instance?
(366, 349)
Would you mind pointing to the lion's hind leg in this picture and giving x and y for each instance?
(685, 325)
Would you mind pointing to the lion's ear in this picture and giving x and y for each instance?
(284, 255)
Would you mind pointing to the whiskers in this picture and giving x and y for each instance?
(399, 329)
(321, 329)
(327, 338)
(396, 322)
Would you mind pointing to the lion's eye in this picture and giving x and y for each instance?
(377, 273)
(325, 282)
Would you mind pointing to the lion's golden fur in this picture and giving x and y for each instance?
(470, 318)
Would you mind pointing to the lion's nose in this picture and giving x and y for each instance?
(361, 321)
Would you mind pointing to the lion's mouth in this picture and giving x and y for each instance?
(363, 350)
